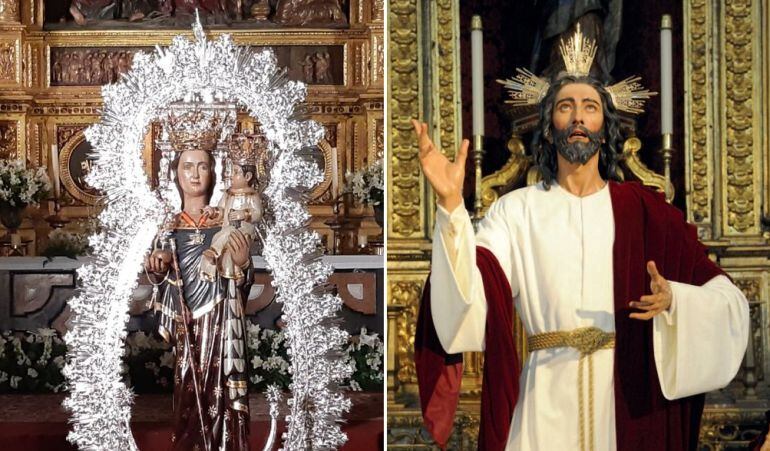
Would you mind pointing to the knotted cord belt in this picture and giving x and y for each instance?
(586, 340)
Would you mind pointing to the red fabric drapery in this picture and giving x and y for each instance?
(646, 228)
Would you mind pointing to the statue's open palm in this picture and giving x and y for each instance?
(446, 177)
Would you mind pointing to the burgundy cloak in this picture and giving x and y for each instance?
(646, 228)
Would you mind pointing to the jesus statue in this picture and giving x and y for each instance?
(628, 321)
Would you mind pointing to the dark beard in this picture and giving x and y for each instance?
(578, 151)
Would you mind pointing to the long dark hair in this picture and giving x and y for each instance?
(545, 151)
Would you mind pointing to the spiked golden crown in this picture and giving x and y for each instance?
(194, 129)
(578, 54)
(245, 148)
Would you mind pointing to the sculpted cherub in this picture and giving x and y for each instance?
(240, 208)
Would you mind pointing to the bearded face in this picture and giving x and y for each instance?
(578, 122)
(577, 151)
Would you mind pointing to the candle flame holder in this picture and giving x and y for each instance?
(667, 151)
(57, 220)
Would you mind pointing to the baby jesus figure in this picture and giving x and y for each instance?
(240, 208)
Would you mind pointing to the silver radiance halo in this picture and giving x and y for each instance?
(205, 71)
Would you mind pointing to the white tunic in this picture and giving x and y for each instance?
(556, 250)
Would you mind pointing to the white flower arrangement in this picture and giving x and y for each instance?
(367, 185)
(67, 243)
(32, 361)
(72, 242)
(20, 186)
(365, 353)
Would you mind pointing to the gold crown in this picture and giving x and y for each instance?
(194, 130)
(578, 54)
(245, 148)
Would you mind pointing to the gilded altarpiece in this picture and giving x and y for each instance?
(51, 70)
(727, 163)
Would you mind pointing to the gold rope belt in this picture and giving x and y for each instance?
(586, 340)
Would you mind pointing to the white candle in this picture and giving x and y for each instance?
(335, 180)
(55, 171)
(477, 75)
(666, 77)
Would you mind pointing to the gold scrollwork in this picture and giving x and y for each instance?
(719, 426)
(322, 187)
(407, 294)
(9, 61)
(635, 165)
(513, 169)
(698, 119)
(9, 10)
(404, 431)
(739, 113)
(448, 74)
(403, 166)
(73, 154)
(8, 140)
(378, 60)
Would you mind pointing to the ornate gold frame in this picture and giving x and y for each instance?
(351, 110)
(65, 155)
(727, 178)
(12, 38)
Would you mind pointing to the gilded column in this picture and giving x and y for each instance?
(699, 152)
(727, 77)
(407, 263)
(423, 84)
(741, 141)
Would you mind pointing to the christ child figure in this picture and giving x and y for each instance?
(240, 208)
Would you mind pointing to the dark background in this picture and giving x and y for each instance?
(509, 33)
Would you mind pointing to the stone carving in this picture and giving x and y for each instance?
(321, 68)
(98, 66)
(378, 10)
(164, 12)
(84, 10)
(9, 10)
(315, 68)
(309, 12)
(308, 70)
(8, 61)
(89, 67)
(379, 138)
(8, 140)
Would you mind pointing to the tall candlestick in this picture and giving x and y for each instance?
(477, 75)
(55, 171)
(56, 220)
(666, 78)
(477, 84)
(335, 182)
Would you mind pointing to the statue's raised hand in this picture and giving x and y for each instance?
(446, 177)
